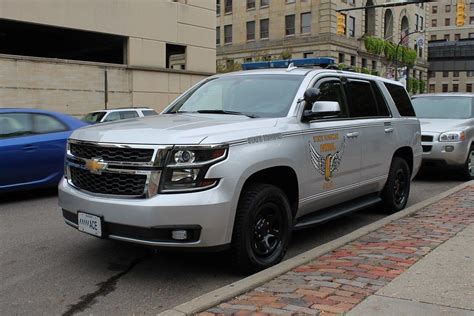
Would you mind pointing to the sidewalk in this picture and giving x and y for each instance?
(419, 264)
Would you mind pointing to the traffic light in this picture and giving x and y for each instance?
(460, 13)
(341, 24)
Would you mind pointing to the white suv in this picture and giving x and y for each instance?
(117, 114)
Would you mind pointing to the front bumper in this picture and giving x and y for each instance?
(207, 215)
(438, 152)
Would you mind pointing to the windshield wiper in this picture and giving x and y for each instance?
(216, 111)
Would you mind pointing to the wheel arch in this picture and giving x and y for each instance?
(406, 153)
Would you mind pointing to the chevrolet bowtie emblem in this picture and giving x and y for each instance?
(95, 165)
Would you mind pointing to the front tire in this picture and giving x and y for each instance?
(397, 188)
(467, 172)
(262, 228)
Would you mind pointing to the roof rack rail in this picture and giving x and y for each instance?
(297, 62)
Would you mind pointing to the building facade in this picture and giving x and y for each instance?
(451, 47)
(255, 29)
(78, 56)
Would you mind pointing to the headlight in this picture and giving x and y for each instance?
(186, 168)
(452, 137)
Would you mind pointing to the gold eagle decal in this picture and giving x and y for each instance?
(329, 164)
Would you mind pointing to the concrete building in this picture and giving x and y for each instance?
(451, 48)
(254, 29)
(58, 55)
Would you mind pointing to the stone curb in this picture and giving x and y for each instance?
(232, 290)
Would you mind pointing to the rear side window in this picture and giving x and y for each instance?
(149, 113)
(44, 124)
(401, 99)
(128, 114)
(113, 116)
(362, 99)
(381, 104)
(15, 125)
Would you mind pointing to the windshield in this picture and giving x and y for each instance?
(443, 107)
(251, 95)
(93, 117)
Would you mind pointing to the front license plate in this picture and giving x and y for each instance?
(90, 224)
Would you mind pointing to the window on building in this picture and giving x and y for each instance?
(447, 22)
(250, 4)
(469, 87)
(341, 58)
(388, 25)
(345, 19)
(455, 87)
(306, 23)
(290, 1)
(446, 37)
(422, 23)
(455, 74)
(457, 37)
(434, 9)
(264, 3)
(469, 73)
(433, 38)
(353, 60)
(445, 74)
(471, 6)
(364, 62)
(447, 8)
(308, 55)
(471, 20)
(444, 87)
(250, 30)
(218, 35)
(374, 65)
(414, 73)
(471, 35)
(264, 27)
(218, 7)
(431, 74)
(175, 56)
(352, 26)
(227, 6)
(290, 25)
(417, 21)
(432, 88)
(369, 18)
(434, 23)
(227, 34)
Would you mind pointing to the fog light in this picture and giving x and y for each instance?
(179, 234)
(449, 148)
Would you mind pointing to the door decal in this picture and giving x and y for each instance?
(327, 164)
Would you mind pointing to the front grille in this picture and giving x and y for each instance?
(426, 148)
(426, 138)
(112, 153)
(108, 183)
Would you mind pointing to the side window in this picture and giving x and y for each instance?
(15, 125)
(128, 114)
(401, 99)
(149, 113)
(333, 91)
(113, 116)
(43, 124)
(362, 99)
(381, 103)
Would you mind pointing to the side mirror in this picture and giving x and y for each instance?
(311, 95)
(322, 109)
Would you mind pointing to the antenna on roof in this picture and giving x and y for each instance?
(291, 67)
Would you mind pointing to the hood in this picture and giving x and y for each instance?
(443, 125)
(169, 129)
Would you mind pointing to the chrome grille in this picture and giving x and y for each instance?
(111, 153)
(108, 183)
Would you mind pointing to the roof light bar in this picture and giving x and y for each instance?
(297, 62)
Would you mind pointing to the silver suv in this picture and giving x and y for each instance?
(447, 126)
(241, 160)
(111, 115)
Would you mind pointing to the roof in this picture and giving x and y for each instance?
(124, 109)
(445, 94)
(24, 110)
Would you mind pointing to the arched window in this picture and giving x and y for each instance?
(369, 18)
(388, 25)
(404, 30)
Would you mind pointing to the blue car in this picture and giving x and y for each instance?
(32, 147)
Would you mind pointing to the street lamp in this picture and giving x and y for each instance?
(396, 50)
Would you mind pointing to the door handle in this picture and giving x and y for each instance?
(389, 130)
(352, 135)
(30, 147)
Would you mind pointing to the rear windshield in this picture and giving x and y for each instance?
(256, 95)
(443, 107)
(93, 117)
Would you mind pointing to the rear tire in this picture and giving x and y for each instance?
(397, 188)
(467, 172)
(262, 228)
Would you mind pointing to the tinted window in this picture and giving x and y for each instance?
(333, 91)
(128, 114)
(113, 116)
(362, 99)
(43, 124)
(443, 107)
(15, 125)
(148, 113)
(401, 99)
(381, 104)
(93, 117)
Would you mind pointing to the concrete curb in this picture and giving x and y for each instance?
(232, 290)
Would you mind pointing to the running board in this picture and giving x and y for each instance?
(331, 213)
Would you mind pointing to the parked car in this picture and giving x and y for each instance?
(447, 126)
(117, 114)
(32, 147)
(243, 159)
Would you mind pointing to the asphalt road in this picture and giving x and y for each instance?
(46, 267)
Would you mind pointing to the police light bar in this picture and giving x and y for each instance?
(297, 62)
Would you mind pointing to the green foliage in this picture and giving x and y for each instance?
(404, 55)
(342, 66)
(374, 45)
(286, 54)
(375, 73)
(415, 85)
(228, 67)
(365, 70)
(422, 86)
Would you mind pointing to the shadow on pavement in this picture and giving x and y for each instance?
(25, 195)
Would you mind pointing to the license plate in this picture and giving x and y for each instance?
(90, 224)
